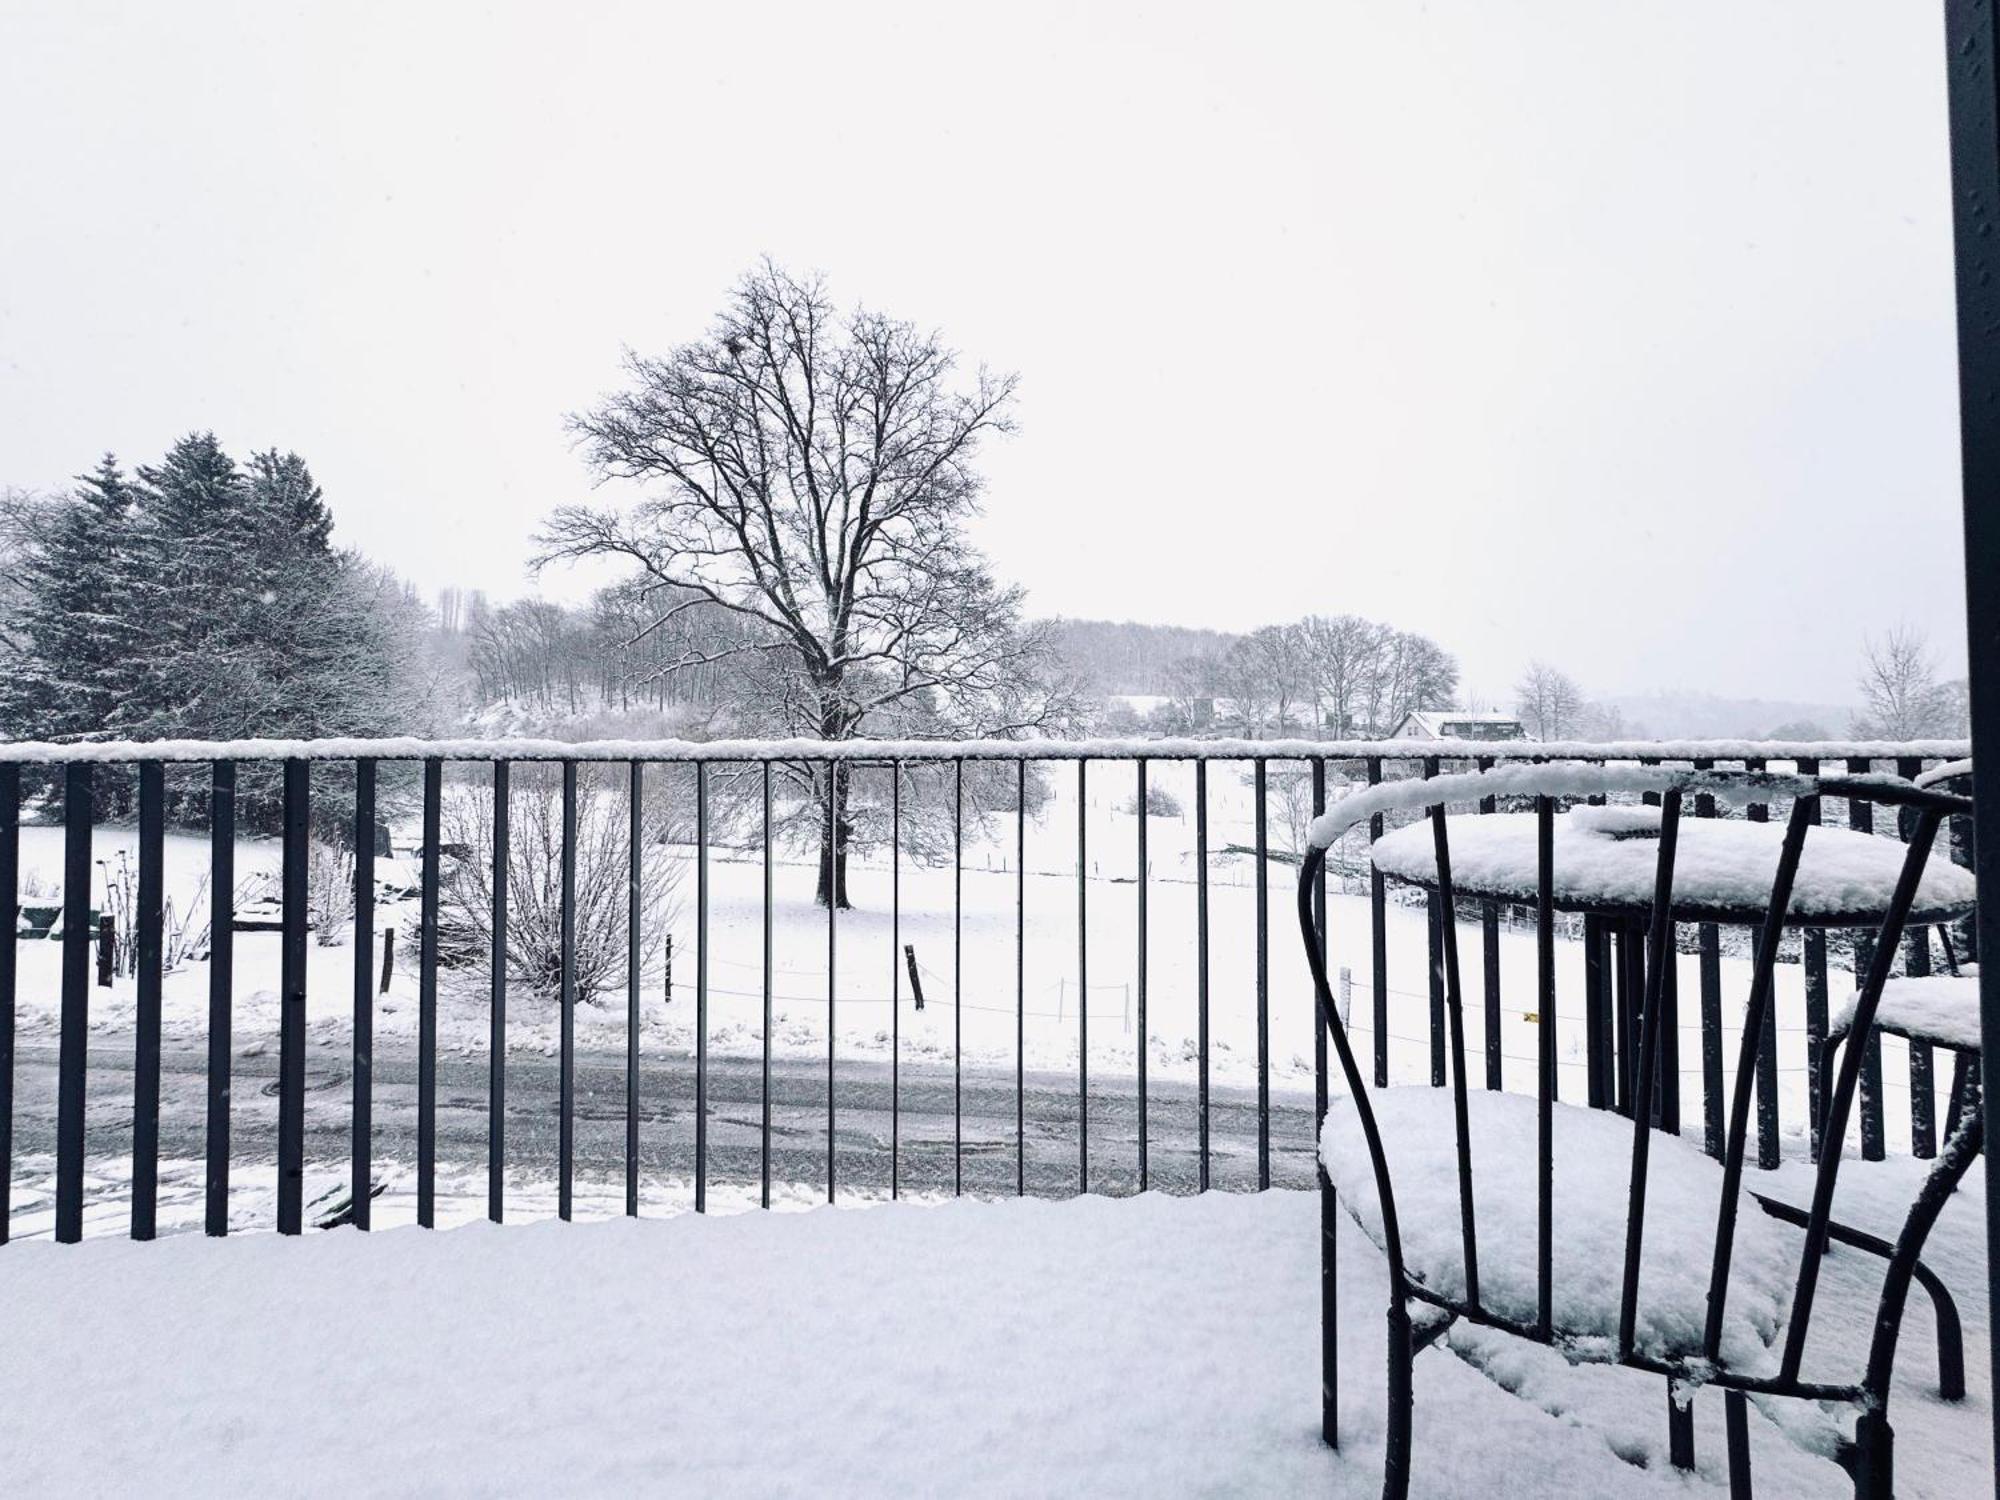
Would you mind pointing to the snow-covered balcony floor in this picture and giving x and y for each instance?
(1149, 1346)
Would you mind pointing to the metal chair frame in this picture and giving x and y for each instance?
(1869, 1457)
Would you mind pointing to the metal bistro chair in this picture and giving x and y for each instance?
(1731, 1309)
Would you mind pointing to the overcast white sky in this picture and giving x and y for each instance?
(1615, 334)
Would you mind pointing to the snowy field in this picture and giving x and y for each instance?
(1146, 1346)
(981, 1026)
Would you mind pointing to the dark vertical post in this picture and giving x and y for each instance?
(957, 976)
(566, 1046)
(427, 981)
(833, 888)
(1917, 961)
(221, 984)
(1434, 923)
(1144, 1180)
(633, 915)
(496, 1045)
(1489, 932)
(1259, 776)
(72, 1054)
(1020, 977)
(292, 1001)
(146, 1045)
(896, 978)
(361, 1150)
(1201, 964)
(1082, 980)
(1814, 945)
(1768, 1149)
(1596, 1045)
(1545, 1062)
(1708, 945)
(701, 981)
(1861, 818)
(1329, 1200)
(1975, 180)
(1378, 931)
(10, 917)
(765, 1092)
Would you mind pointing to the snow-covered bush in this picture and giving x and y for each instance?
(534, 876)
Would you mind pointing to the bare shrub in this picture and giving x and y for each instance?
(534, 877)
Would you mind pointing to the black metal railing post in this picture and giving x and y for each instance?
(221, 991)
(151, 918)
(73, 1040)
(361, 1153)
(427, 984)
(566, 1044)
(292, 998)
(10, 918)
(496, 1042)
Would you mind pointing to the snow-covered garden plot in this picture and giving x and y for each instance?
(1146, 1346)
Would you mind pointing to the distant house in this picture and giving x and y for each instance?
(1451, 724)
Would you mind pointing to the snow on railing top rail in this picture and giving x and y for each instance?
(878, 751)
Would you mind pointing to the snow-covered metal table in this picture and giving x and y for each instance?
(1606, 859)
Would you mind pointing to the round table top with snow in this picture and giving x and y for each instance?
(1607, 858)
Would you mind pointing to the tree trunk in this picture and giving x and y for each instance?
(833, 851)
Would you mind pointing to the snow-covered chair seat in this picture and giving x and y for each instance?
(1591, 1177)
(1939, 1008)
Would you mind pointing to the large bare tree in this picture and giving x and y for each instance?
(811, 473)
(1900, 686)
(1548, 701)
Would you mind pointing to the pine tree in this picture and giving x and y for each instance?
(78, 664)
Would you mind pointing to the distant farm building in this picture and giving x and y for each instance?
(1450, 724)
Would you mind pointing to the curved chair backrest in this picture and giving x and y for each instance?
(1546, 784)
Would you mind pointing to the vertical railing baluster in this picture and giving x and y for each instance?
(833, 884)
(566, 1044)
(1142, 876)
(1601, 1093)
(958, 976)
(634, 903)
(292, 1000)
(1082, 984)
(1201, 963)
(764, 1150)
(146, 1044)
(1917, 961)
(221, 991)
(10, 918)
(1433, 909)
(496, 1054)
(361, 1128)
(1708, 947)
(1020, 978)
(1769, 1149)
(701, 980)
(1378, 937)
(1329, 1200)
(1861, 818)
(1260, 780)
(895, 979)
(72, 1054)
(1489, 946)
(1814, 945)
(427, 967)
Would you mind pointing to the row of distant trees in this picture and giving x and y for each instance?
(1339, 675)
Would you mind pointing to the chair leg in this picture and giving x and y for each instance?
(1874, 1457)
(1736, 1422)
(1680, 1426)
(1402, 1357)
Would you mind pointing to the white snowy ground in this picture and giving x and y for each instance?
(869, 962)
(1145, 1346)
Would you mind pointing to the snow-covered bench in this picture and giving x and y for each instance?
(1600, 1235)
